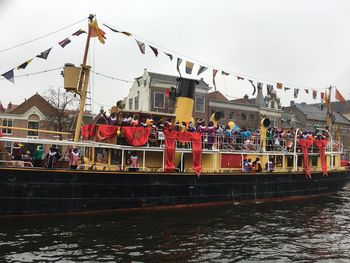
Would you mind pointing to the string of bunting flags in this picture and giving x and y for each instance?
(96, 31)
(189, 69)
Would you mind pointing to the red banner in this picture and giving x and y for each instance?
(106, 132)
(231, 161)
(88, 131)
(305, 145)
(170, 137)
(136, 136)
(321, 144)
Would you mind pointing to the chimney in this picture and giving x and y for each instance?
(9, 106)
(246, 97)
(292, 103)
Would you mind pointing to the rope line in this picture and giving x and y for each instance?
(43, 36)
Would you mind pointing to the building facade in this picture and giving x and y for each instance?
(307, 116)
(149, 93)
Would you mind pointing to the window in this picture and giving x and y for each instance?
(313, 160)
(136, 103)
(33, 125)
(6, 122)
(252, 117)
(244, 116)
(277, 159)
(272, 104)
(130, 103)
(145, 82)
(159, 98)
(232, 115)
(171, 104)
(200, 104)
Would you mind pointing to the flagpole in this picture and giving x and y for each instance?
(83, 83)
(329, 109)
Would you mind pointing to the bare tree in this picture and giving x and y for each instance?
(65, 106)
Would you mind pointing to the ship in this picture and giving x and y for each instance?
(175, 168)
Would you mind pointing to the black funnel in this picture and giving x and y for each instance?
(186, 87)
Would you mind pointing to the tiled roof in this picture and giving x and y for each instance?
(217, 95)
(37, 101)
(314, 112)
(171, 78)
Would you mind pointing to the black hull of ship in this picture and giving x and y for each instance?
(35, 191)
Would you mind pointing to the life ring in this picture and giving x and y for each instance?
(100, 136)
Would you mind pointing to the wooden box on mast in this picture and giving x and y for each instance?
(71, 77)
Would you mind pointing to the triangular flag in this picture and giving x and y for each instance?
(117, 31)
(279, 85)
(114, 30)
(239, 78)
(155, 51)
(44, 54)
(9, 76)
(169, 55)
(125, 33)
(339, 97)
(286, 88)
(64, 42)
(201, 70)
(215, 71)
(314, 94)
(225, 73)
(97, 32)
(179, 61)
(79, 32)
(269, 89)
(306, 91)
(251, 82)
(141, 46)
(296, 91)
(24, 65)
(189, 67)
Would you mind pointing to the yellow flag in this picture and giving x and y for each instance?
(97, 32)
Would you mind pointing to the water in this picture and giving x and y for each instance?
(304, 231)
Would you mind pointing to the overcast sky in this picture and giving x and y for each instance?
(299, 43)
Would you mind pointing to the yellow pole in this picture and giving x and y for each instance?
(36, 130)
(83, 96)
(83, 83)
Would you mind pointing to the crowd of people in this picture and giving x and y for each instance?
(222, 136)
(49, 160)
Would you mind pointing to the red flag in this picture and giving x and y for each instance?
(97, 32)
(167, 92)
(339, 97)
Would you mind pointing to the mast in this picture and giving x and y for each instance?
(83, 83)
(329, 109)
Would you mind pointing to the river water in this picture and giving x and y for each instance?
(305, 231)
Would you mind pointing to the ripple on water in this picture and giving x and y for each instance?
(310, 231)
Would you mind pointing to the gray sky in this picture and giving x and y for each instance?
(299, 43)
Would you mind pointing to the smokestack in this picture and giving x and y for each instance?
(186, 89)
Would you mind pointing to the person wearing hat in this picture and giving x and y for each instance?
(52, 157)
(74, 157)
(17, 152)
(38, 156)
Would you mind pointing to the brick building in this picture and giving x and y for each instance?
(148, 94)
